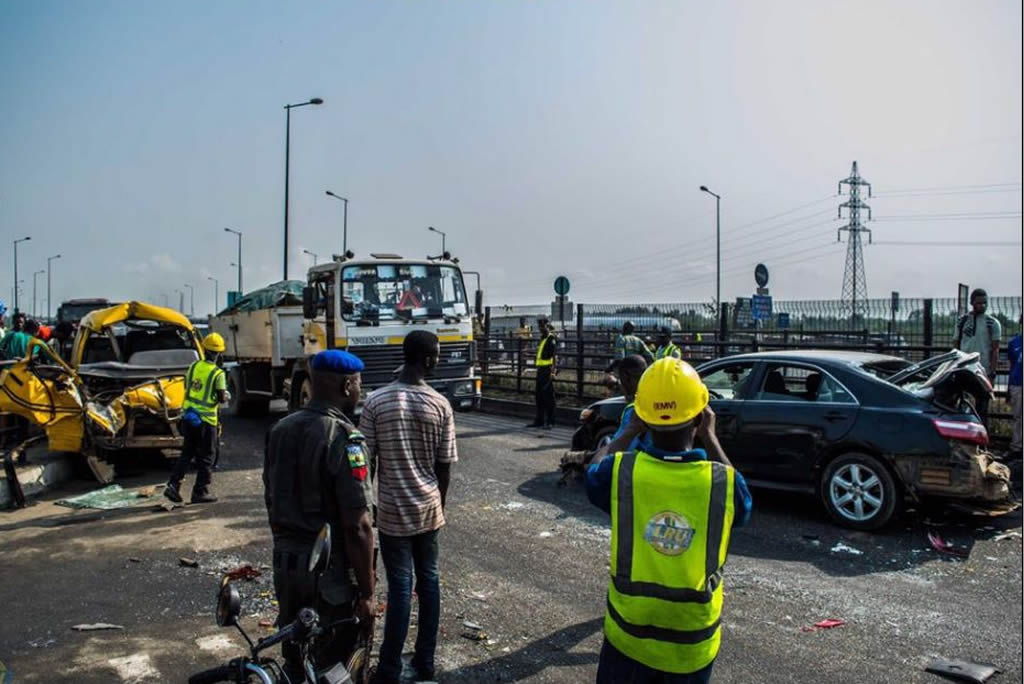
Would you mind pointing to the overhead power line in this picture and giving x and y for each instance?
(948, 243)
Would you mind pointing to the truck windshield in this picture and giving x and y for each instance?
(402, 291)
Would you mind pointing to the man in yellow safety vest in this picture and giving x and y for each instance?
(672, 512)
(666, 347)
(205, 389)
(544, 387)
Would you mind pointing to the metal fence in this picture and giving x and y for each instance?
(914, 329)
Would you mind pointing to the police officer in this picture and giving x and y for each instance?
(205, 389)
(666, 348)
(544, 385)
(316, 471)
(672, 513)
(627, 343)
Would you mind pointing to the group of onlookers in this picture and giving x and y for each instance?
(14, 342)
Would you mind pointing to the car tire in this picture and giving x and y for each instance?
(604, 436)
(859, 492)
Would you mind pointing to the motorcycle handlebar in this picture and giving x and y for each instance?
(224, 673)
(274, 639)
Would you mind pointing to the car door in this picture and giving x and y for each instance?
(795, 414)
(727, 383)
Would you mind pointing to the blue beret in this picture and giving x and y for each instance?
(337, 361)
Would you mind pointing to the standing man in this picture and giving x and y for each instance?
(12, 346)
(205, 389)
(977, 331)
(627, 343)
(410, 432)
(316, 471)
(544, 384)
(666, 348)
(1013, 353)
(672, 514)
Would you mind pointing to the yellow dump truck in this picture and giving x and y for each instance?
(122, 389)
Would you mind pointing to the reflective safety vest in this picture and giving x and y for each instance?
(669, 350)
(199, 393)
(669, 543)
(540, 362)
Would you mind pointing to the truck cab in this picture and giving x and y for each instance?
(367, 306)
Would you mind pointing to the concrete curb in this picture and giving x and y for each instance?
(507, 407)
(43, 472)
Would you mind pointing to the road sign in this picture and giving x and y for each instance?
(895, 302)
(561, 285)
(761, 307)
(783, 320)
(761, 275)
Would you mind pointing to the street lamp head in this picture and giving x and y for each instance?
(704, 188)
(331, 193)
(316, 101)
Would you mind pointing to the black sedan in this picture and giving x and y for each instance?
(866, 433)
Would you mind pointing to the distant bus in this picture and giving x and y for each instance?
(74, 310)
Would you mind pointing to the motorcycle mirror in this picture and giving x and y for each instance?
(320, 556)
(229, 604)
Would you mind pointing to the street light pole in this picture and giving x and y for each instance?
(49, 260)
(344, 233)
(239, 264)
(216, 293)
(287, 154)
(35, 285)
(718, 254)
(443, 236)
(312, 254)
(191, 300)
(24, 239)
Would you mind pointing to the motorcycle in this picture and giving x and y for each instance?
(304, 631)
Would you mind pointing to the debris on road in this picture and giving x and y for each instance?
(266, 623)
(824, 624)
(243, 572)
(107, 498)
(133, 559)
(188, 562)
(1008, 535)
(961, 670)
(475, 636)
(943, 546)
(472, 625)
(840, 547)
(95, 627)
(480, 596)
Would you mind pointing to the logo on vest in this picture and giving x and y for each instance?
(197, 385)
(669, 533)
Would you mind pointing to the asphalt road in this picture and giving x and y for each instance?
(522, 558)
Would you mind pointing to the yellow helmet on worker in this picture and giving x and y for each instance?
(213, 343)
(670, 395)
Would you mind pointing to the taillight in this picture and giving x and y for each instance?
(975, 433)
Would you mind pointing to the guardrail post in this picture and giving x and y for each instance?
(928, 333)
(579, 351)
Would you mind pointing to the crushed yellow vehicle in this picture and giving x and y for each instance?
(123, 389)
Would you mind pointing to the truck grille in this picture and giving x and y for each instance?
(382, 361)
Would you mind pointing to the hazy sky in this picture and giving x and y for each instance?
(546, 138)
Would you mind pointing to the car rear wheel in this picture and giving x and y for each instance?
(604, 437)
(859, 492)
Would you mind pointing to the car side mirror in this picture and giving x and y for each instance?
(309, 302)
(229, 604)
(320, 556)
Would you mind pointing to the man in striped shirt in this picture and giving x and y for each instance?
(410, 431)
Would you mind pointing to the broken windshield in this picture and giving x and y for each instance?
(402, 291)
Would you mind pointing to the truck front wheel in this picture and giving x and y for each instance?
(242, 405)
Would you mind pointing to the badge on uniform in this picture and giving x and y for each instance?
(357, 461)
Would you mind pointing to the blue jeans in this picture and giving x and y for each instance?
(615, 667)
(403, 557)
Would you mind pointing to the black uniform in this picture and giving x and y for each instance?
(315, 466)
(544, 390)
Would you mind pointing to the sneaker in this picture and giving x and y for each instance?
(171, 492)
(203, 498)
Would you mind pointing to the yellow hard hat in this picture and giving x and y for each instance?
(213, 343)
(670, 394)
